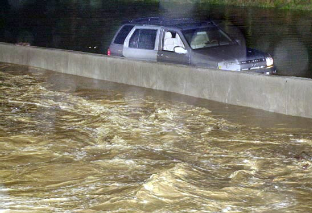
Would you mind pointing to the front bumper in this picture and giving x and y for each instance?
(258, 65)
(265, 70)
(236, 67)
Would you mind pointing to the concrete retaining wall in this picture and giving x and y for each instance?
(286, 95)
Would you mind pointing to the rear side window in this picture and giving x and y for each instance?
(120, 38)
(143, 39)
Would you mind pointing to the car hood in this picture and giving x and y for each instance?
(228, 53)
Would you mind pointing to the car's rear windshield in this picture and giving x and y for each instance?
(199, 38)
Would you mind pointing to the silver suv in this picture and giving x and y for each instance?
(186, 41)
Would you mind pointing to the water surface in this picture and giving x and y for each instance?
(71, 144)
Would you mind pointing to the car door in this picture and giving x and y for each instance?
(168, 52)
(141, 43)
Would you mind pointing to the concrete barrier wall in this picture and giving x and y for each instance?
(286, 95)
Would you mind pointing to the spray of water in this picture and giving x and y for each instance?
(291, 57)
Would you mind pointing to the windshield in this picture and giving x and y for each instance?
(206, 37)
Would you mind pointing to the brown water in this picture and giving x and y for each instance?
(70, 144)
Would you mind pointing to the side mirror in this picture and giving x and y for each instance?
(239, 42)
(180, 50)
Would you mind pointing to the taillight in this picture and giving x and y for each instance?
(108, 52)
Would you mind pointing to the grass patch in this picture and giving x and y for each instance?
(280, 4)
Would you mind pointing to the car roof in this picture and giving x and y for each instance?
(180, 23)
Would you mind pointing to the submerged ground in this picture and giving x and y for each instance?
(70, 144)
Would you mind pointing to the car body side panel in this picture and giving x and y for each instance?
(148, 55)
(116, 49)
(172, 57)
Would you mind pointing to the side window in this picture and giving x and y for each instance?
(120, 38)
(172, 40)
(147, 39)
(134, 40)
(143, 39)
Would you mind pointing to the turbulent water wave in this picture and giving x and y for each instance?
(64, 148)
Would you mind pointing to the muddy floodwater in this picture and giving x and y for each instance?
(70, 144)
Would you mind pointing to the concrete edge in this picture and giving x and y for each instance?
(280, 94)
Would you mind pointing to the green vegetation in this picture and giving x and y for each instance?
(281, 4)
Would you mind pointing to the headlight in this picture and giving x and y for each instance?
(269, 61)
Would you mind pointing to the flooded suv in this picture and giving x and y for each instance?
(186, 41)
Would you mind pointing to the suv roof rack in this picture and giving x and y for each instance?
(179, 22)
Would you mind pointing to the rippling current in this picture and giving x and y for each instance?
(66, 148)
